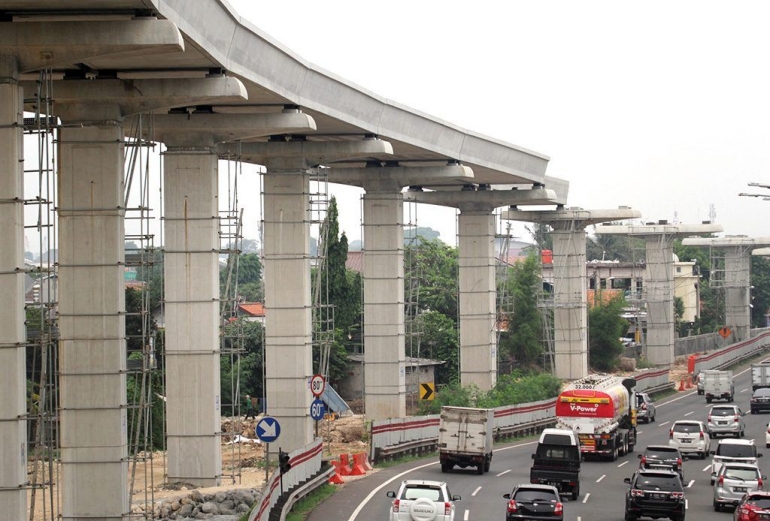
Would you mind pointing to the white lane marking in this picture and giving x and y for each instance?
(503, 472)
(743, 390)
(579, 518)
(639, 432)
(585, 499)
(690, 483)
(664, 423)
(686, 504)
(466, 515)
(601, 478)
(622, 464)
(475, 492)
(706, 469)
(689, 413)
(377, 489)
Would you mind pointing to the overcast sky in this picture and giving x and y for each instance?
(662, 106)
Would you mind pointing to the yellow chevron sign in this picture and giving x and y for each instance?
(427, 391)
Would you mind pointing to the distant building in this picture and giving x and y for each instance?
(252, 312)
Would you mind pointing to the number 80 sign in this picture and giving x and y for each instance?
(317, 385)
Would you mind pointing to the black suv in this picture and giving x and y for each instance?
(655, 493)
(534, 502)
(662, 457)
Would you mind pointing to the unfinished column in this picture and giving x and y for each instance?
(13, 407)
(570, 314)
(736, 279)
(288, 327)
(92, 360)
(737, 291)
(384, 355)
(659, 296)
(478, 355)
(659, 281)
(191, 272)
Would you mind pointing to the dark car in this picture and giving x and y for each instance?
(760, 400)
(655, 493)
(754, 506)
(662, 457)
(534, 502)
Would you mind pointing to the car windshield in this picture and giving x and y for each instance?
(759, 502)
(686, 427)
(529, 496)
(736, 451)
(723, 411)
(556, 452)
(417, 492)
(665, 483)
(741, 474)
(661, 453)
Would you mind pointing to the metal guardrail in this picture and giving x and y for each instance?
(427, 445)
(304, 490)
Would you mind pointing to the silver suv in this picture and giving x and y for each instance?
(645, 408)
(733, 481)
(417, 500)
(726, 419)
(733, 451)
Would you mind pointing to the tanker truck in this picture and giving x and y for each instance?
(600, 410)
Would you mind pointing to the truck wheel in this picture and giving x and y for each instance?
(615, 454)
(480, 469)
(576, 492)
(487, 465)
(446, 467)
(631, 448)
(708, 399)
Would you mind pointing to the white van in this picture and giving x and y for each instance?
(733, 451)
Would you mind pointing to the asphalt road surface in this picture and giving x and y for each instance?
(602, 491)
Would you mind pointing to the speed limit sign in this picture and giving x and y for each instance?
(317, 385)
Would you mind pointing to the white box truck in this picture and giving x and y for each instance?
(718, 385)
(760, 376)
(465, 438)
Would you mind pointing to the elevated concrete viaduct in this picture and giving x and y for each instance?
(205, 77)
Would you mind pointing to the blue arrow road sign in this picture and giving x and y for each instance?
(317, 409)
(268, 429)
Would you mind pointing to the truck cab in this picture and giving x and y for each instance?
(556, 461)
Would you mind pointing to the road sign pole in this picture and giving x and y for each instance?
(267, 462)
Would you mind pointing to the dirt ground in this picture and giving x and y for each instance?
(242, 465)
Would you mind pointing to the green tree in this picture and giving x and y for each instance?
(614, 247)
(432, 266)
(523, 340)
(428, 234)
(541, 234)
(605, 327)
(438, 340)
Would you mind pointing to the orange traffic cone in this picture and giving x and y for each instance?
(344, 468)
(681, 384)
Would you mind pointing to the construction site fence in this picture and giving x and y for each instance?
(733, 353)
(305, 463)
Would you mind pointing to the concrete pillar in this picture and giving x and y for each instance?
(478, 341)
(92, 352)
(659, 287)
(13, 427)
(737, 291)
(384, 355)
(570, 315)
(288, 327)
(191, 272)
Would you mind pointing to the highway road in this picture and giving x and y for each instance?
(601, 484)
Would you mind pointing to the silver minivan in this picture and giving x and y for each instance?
(733, 481)
(726, 419)
(645, 408)
(690, 437)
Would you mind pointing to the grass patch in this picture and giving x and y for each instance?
(664, 394)
(304, 506)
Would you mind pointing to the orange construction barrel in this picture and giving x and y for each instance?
(691, 363)
(547, 257)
